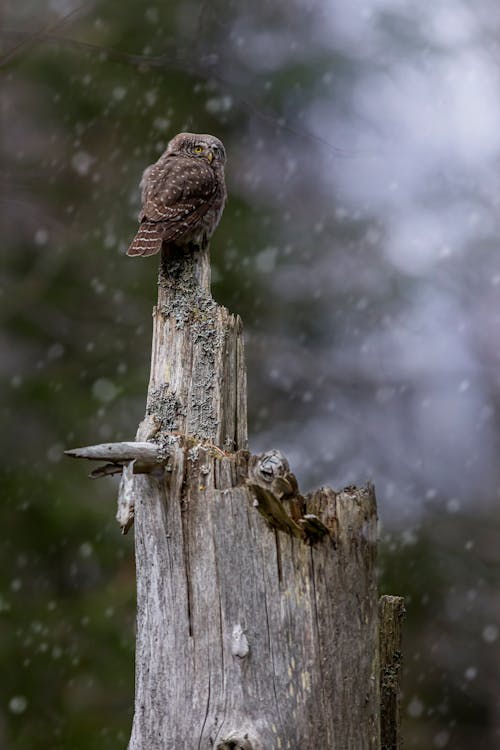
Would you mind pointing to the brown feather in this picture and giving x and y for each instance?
(147, 241)
(183, 195)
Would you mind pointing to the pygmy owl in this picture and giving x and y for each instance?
(183, 194)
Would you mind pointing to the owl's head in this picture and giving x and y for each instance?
(202, 146)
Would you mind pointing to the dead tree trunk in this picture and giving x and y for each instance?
(257, 612)
(391, 615)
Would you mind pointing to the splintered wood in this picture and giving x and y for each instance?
(269, 636)
(257, 612)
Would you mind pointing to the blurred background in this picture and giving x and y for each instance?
(360, 247)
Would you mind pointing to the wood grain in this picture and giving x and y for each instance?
(256, 628)
(392, 612)
(197, 384)
(245, 631)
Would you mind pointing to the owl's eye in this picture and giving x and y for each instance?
(198, 149)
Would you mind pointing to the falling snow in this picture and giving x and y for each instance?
(415, 708)
(490, 633)
(218, 104)
(82, 162)
(104, 390)
(18, 704)
(119, 93)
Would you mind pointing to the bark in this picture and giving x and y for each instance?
(257, 613)
(197, 385)
(257, 607)
(247, 634)
(118, 452)
(391, 612)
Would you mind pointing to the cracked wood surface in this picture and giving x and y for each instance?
(117, 452)
(197, 383)
(305, 675)
(257, 622)
(391, 612)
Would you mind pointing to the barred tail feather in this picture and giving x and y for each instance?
(147, 241)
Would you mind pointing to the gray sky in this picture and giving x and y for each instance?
(420, 126)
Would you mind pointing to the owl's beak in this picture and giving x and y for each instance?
(210, 156)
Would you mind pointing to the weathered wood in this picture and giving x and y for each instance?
(106, 470)
(391, 616)
(126, 499)
(305, 674)
(126, 458)
(278, 500)
(197, 384)
(118, 452)
(257, 612)
(257, 606)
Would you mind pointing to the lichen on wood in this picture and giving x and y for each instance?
(246, 623)
(391, 615)
(257, 613)
(198, 379)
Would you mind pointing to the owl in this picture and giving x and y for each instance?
(183, 194)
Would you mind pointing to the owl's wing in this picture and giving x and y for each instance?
(177, 193)
(144, 183)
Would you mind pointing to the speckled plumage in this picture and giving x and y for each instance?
(183, 194)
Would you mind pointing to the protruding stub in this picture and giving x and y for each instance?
(235, 741)
(313, 528)
(276, 491)
(391, 615)
(126, 503)
(272, 468)
(272, 509)
(107, 470)
(239, 642)
(117, 452)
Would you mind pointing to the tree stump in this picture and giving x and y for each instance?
(257, 611)
(391, 614)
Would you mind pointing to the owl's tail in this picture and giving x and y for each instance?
(147, 241)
